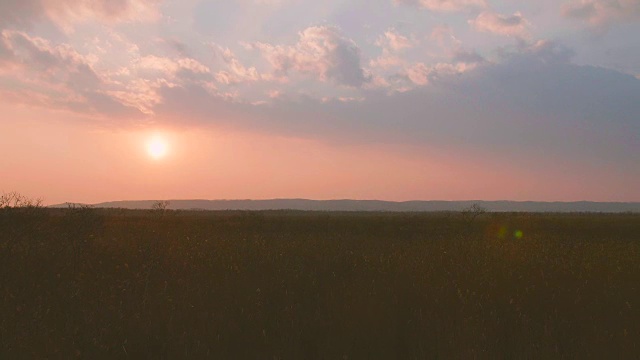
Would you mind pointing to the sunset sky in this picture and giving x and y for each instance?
(363, 99)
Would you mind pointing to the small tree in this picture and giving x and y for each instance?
(16, 200)
(160, 205)
(472, 212)
(76, 207)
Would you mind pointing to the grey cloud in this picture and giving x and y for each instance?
(347, 67)
(601, 14)
(541, 84)
(534, 102)
(545, 51)
(26, 51)
(20, 12)
(582, 11)
(178, 46)
(467, 57)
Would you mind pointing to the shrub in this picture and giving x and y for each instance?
(472, 212)
(16, 200)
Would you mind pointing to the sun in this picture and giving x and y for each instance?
(157, 147)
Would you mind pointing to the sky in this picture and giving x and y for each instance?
(379, 99)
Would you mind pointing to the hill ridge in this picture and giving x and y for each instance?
(376, 205)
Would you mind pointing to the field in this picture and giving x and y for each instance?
(88, 283)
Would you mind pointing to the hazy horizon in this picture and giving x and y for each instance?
(338, 199)
(349, 205)
(394, 100)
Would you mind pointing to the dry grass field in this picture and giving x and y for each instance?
(89, 283)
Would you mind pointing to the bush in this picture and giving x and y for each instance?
(160, 205)
(472, 212)
(16, 200)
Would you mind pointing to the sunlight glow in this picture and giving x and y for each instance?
(157, 147)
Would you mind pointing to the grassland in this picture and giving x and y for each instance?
(83, 283)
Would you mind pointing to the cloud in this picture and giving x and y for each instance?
(420, 74)
(5, 53)
(65, 13)
(603, 13)
(394, 41)
(444, 37)
(55, 76)
(445, 5)
(235, 71)
(17, 12)
(270, 2)
(176, 45)
(321, 51)
(533, 102)
(391, 43)
(467, 57)
(405, 75)
(140, 80)
(509, 25)
(169, 67)
(546, 51)
(386, 61)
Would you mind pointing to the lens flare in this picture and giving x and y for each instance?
(502, 232)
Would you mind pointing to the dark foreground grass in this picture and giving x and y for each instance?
(292, 285)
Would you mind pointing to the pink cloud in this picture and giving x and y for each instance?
(235, 71)
(391, 43)
(65, 13)
(386, 61)
(146, 75)
(445, 5)
(170, 67)
(421, 74)
(55, 76)
(395, 41)
(321, 51)
(509, 25)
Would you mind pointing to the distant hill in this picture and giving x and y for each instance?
(376, 205)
